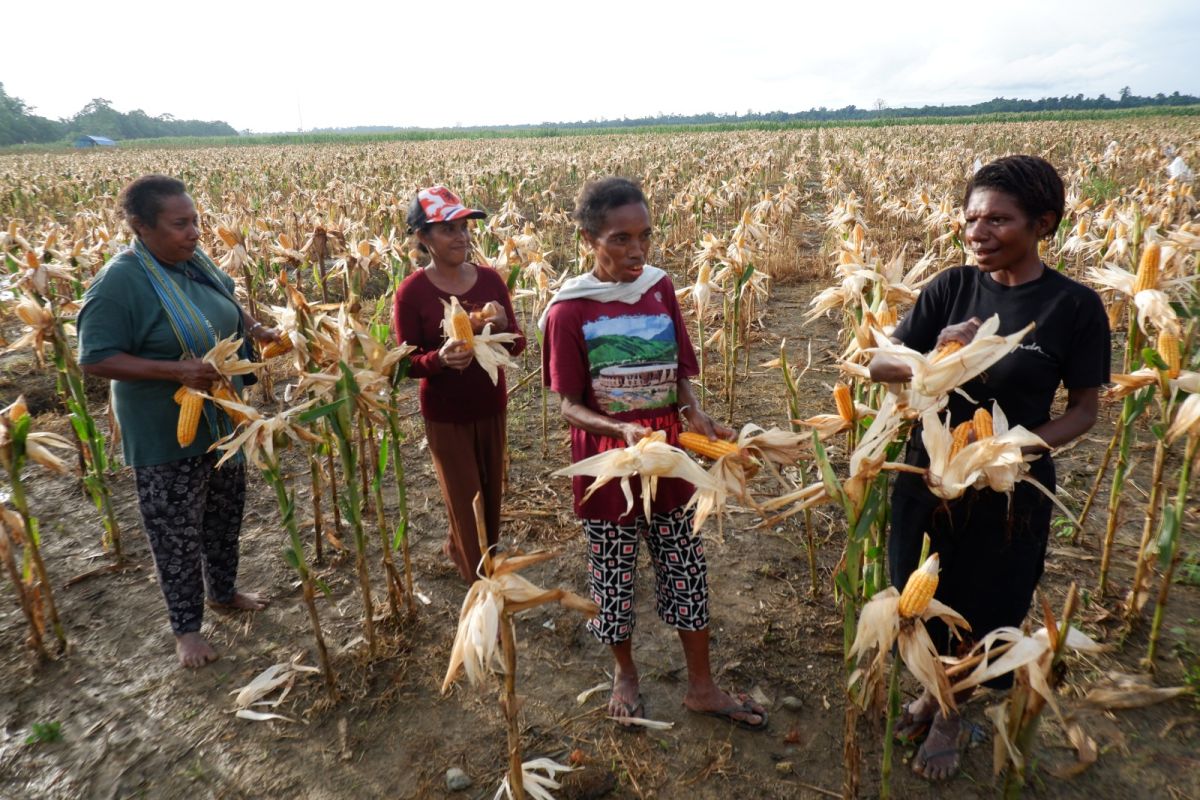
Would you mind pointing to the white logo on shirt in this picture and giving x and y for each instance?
(658, 296)
(1031, 346)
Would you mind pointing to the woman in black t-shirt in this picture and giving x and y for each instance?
(992, 547)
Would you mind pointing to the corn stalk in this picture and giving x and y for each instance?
(293, 554)
(1168, 544)
(343, 430)
(34, 577)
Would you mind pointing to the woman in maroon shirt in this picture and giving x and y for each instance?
(464, 411)
(616, 351)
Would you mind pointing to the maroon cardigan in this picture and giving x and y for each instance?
(448, 395)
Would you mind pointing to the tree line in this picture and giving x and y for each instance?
(880, 111)
(18, 125)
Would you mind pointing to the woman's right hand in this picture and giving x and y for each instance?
(633, 433)
(887, 369)
(196, 373)
(455, 354)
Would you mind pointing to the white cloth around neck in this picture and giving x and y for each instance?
(589, 287)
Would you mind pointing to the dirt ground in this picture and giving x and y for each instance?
(133, 724)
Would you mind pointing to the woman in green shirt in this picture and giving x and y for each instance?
(146, 319)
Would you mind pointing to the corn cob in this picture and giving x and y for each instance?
(462, 325)
(1168, 348)
(962, 437)
(190, 406)
(887, 316)
(223, 392)
(919, 589)
(982, 423)
(701, 445)
(845, 403)
(283, 346)
(945, 349)
(1147, 273)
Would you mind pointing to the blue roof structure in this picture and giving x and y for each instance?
(94, 141)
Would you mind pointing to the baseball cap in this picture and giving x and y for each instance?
(438, 204)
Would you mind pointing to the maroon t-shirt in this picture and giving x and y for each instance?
(448, 395)
(623, 360)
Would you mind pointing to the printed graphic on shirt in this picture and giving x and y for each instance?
(633, 362)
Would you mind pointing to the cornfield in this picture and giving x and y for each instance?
(794, 253)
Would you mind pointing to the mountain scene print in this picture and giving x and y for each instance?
(633, 362)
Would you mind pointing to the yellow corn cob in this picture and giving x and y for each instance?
(704, 273)
(919, 589)
(462, 326)
(887, 316)
(845, 403)
(1116, 312)
(1168, 348)
(223, 392)
(700, 444)
(982, 423)
(283, 346)
(962, 437)
(190, 405)
(1147, 274)
(946, 349)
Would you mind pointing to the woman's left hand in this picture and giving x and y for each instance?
(701, 422)
(261, 333)
(492, 313)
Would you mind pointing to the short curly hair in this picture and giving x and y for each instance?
(143, 198)
(599, 197)
(1031, 181)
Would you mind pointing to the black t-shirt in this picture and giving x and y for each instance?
(1070, 343)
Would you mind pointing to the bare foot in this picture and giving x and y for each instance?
(242, 601)
(740, 710)
(915, 720)
(625, 700)
(193, 650)
(939, 756)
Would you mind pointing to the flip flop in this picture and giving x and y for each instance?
(728, 712)
(637, 710)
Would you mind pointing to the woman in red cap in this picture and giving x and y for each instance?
(464, 411)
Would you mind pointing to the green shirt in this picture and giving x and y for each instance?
(122, 314)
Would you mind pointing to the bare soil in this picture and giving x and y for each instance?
(133, 724)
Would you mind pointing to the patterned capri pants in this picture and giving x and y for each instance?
(680, 573)
(192, 514)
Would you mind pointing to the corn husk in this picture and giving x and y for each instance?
(880, 626)
(650, 459)
(536, 785)
(476, 649)
(935, 377)
(995, 462)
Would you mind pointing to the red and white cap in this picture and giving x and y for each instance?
(439, 204)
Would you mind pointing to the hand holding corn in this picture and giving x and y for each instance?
(961, 334)
(633, 433)
(456, 354)
(703, 424)
(492, 313)
(196, 373)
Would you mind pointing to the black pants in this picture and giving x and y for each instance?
(992, 549)
(192, 514)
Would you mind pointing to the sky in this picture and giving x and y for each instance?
(268, 66)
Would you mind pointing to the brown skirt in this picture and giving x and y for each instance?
(469, 458)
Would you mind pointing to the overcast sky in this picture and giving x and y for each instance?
(269, 66)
